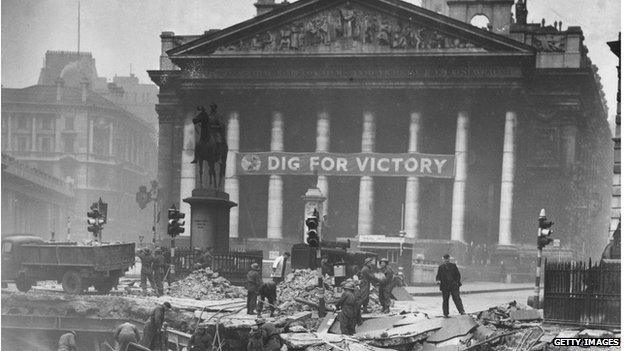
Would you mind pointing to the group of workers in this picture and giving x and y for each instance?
(153, 269)
(127, 333)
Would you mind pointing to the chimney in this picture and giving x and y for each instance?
(59, 88)
(84, 84)
(264, 6)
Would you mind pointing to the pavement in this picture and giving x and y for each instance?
(470, 288)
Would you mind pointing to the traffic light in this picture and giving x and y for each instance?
(93, 219)
(543, 235)
(312, 235)
(174, 226)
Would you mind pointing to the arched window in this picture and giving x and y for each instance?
(481, 21)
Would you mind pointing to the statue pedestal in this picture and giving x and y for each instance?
(210, 219)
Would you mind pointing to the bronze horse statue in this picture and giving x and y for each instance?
(212, 146)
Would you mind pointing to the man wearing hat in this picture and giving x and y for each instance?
(348, 305)
(147, 271)
(449, 279)
(152, 332)
(366, 279)
(254, 282)
(160, 267)
(126, 333)
(67, 342)
(268, 291)
(271, 340)
(386, 285)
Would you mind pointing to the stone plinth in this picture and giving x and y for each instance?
(210, 219)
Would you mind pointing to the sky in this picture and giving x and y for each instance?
(123, 35)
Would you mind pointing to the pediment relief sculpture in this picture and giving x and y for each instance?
(349, 28)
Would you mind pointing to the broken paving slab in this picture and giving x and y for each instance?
(568, 334)
(595, 333)
(434, 347)
(453, 327)
(525, 315)
(400, 294)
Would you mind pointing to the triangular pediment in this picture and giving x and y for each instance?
(351, 27)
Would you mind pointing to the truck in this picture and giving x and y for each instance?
(27, 259)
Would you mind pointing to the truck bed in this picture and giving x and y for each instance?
(107, 257)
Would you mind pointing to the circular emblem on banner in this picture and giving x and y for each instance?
(251, 163)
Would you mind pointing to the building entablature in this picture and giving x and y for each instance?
(18, 169)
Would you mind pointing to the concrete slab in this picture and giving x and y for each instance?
(568, 334)
(326, 323)
(422, 326)
(400, 294)
(410, 319)
(453, 327)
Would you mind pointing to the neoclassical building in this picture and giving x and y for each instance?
(516, 106)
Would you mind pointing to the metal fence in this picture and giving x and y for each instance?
(582, 293)
(232, 265)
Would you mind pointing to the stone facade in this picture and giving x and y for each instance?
(518, 106)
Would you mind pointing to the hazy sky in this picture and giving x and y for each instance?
(121, 33)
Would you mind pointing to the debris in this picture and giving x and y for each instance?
(595, 333)
(453, 327)
(204, 284)
(525, 315)
(400, 294)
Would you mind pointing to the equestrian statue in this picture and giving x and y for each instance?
(212, 145)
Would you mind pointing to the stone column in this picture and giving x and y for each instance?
(231, 179)
(33, 134)
(111, 140)
(412, 185)
(507, 179)
(90, 122)
(459, 185)
(367, 195)
(165, 172)
(188, 171)
(322, 145)
(275, 205)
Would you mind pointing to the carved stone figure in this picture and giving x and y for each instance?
(385, 34)
(347, 21)
(212, 145)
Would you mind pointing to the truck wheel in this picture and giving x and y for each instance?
(103, 286)
(23, 284)
(72, 282)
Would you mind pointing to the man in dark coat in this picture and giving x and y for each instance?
(147, 271)
(348, 306)
(366, 279)
(254, 281)
(152, 332)
(160, 267)
(126, 333)
(268, 290)
(449, 279)
(386, 285)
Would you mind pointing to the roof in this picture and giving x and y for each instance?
(47, 94)
(286, 15)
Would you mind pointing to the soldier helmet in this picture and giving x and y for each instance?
(255, 266)
(446, 256)
(349, 286)
(384, 260)
(368, 260)
(167, 304)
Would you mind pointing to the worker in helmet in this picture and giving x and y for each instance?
(254, 282)
(366, 279)
(348, 305)
(386, 285)
(67, 342)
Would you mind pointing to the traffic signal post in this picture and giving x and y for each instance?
(175, 227)
(96, 218)
(543, 239)
(312, 236)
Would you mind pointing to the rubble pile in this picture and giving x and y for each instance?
(204, 284)
(302, 284)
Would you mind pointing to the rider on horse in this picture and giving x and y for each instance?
(209, 123)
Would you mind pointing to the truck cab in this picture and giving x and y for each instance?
(11, 258)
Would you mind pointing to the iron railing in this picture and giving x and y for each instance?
(582, 293)
(232, 265)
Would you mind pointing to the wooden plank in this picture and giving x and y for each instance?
(326, 323)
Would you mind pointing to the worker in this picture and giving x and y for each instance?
(201, 340)
(366, 279)
(254, 281)
(449, 279)
(160, 267)
(268, 291)
(255, 339)
(152, 333)
(279, 267)
(126, 333)
(147, 269)
(271, 340)
(386, 285)
(326, 267)
(67, 342)
(348, 306)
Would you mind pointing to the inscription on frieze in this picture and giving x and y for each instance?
(422, 72)
(348, 28)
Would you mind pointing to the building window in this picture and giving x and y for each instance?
(69, 143)
(22, 144)
(46, 124)
(22, 122)
(46, 144)
(69, 123)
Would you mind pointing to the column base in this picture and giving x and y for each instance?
(210, 219)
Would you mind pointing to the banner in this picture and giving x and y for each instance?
(335, 164)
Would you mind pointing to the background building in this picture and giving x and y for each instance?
(517, 104)
(67, 127)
